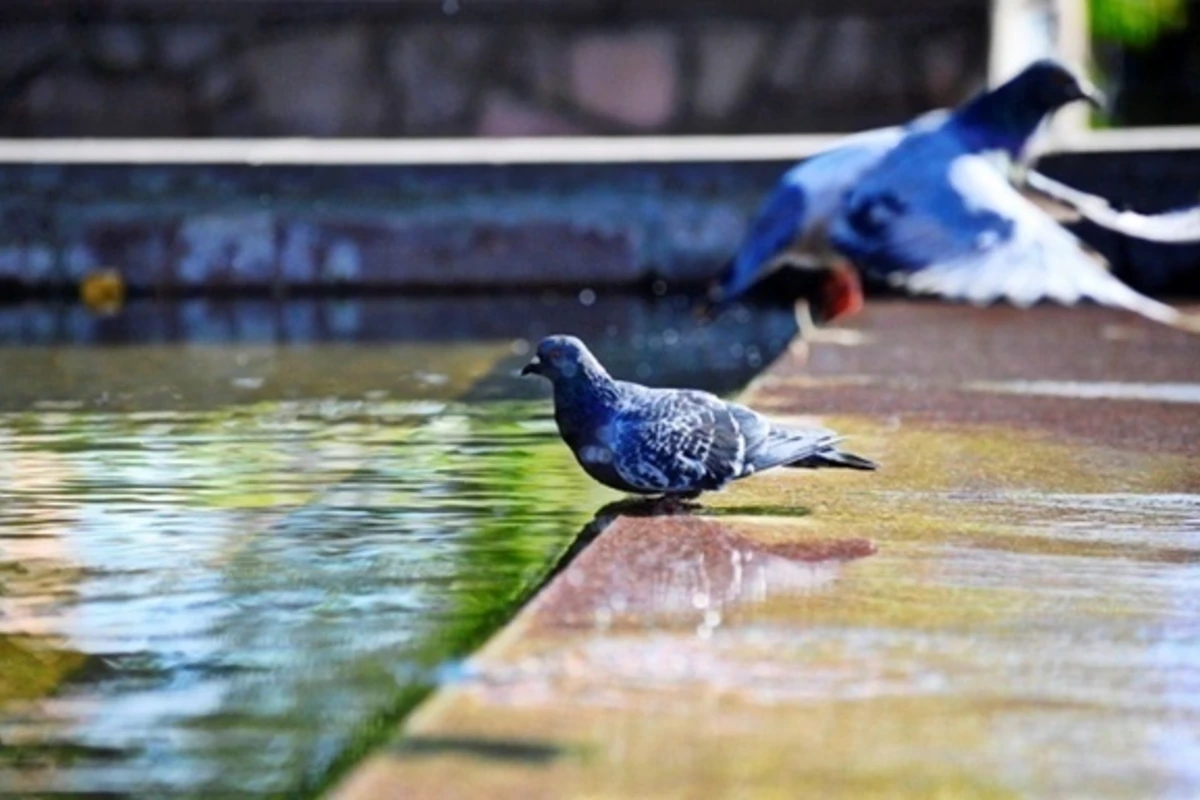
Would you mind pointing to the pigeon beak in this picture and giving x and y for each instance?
(533, 367)
(1093, 95)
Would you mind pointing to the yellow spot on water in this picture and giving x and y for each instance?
(103, 291)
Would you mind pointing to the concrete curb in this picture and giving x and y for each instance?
(909, 633)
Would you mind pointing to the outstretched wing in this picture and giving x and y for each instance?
(936, 221)
(675, 441)
(800, 207)
(1179, 226)
(775, 227)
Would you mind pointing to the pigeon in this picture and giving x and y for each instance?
(672, 442)
(791, 227)
(927, 207)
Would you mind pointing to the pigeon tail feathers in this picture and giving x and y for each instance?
(787, 448)
(834, 458)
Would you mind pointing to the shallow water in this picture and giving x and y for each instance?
(229, 596)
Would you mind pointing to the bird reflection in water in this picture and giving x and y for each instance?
(660, 580)
(662, 562)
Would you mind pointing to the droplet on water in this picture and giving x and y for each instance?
(251, 382)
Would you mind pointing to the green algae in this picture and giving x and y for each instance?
(31, 667)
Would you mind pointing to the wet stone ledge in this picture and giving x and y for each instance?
(985, 616)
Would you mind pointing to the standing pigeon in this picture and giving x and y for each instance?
(677, 442)
(925, 207)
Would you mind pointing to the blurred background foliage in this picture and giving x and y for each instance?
(1136, 23)
(1148, 55)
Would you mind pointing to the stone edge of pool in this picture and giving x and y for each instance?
(231, 229)
(949, 392)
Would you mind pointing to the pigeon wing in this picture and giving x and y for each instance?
(769, 445)
(775, 227)
(965, 233)
(676, 441)
(1178, 226)
(800, 207)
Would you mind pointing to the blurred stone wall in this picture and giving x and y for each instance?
(814, 68)
(172, 230)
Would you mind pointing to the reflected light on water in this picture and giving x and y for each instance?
(244, 587)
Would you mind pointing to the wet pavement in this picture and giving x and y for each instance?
(1008, 608)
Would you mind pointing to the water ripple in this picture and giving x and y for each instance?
(213, 602)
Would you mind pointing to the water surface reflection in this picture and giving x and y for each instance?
(244, 588)
(239, 590)
(237, 540)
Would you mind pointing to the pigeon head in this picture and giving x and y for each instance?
(561, 358)
(1005, 117)
(1049, 85)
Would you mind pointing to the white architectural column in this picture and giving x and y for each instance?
(1026, 30)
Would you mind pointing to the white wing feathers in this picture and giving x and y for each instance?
(1039, 261)
(1173, 227)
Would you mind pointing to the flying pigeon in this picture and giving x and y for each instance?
(675, 442)
(927, 208)
(791, 228)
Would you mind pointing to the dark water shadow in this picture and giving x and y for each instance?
(647, 507)
(300, 343)
(509, 750)
(759, 511)
(656, 341)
